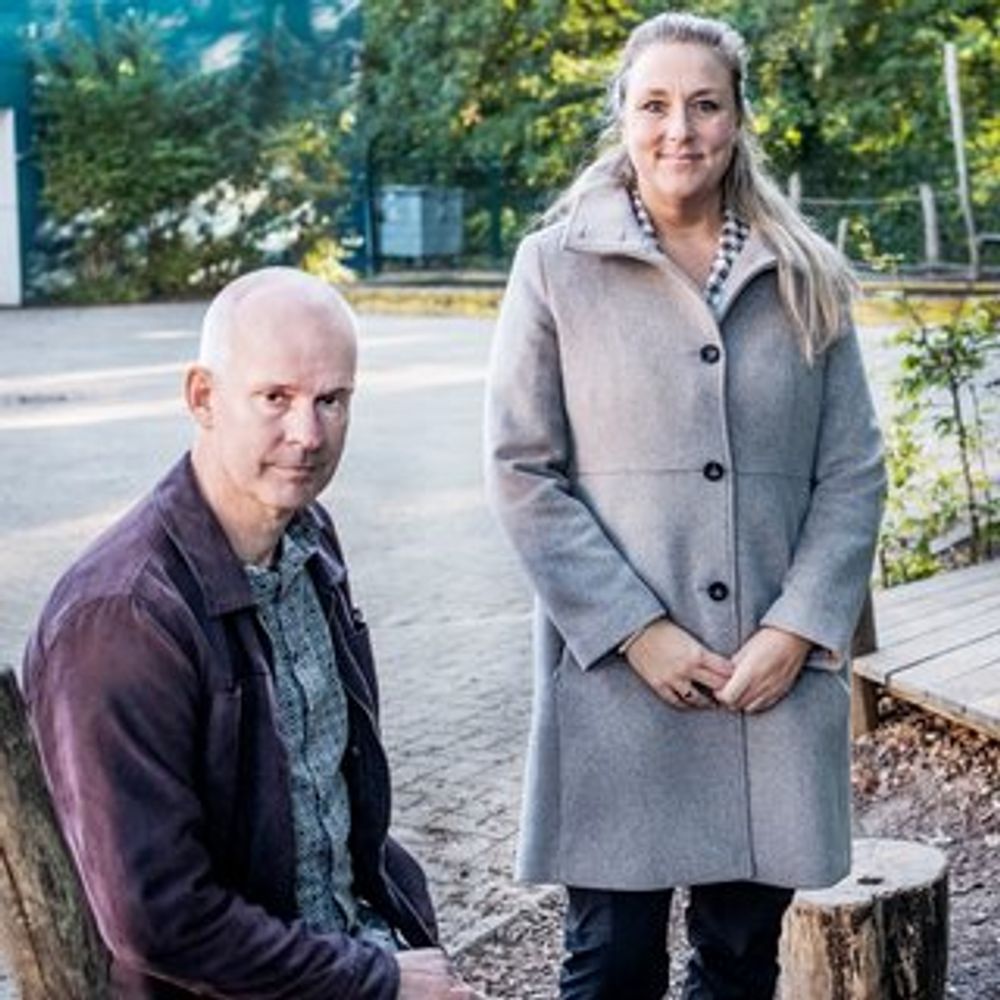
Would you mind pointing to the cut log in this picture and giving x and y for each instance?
(880, 934)
(46, 927)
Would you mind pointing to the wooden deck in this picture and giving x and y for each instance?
(939, 645)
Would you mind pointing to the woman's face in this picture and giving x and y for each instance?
(680, 124)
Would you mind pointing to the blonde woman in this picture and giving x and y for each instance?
(682, 448)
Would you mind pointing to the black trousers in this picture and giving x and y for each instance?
(616, 943)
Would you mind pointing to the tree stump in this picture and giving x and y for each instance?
(880, 934)
(46, 927)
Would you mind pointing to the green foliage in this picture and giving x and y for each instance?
(514, 83)
(940, 402)
(161, 180)
(922, 506)
(850, 93)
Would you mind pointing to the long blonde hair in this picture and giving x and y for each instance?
(815, 282)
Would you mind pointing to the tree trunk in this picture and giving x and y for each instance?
(880, 934)
(46, 927)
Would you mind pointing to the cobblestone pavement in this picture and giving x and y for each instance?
(90, 416)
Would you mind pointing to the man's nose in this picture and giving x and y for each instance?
(303, 426)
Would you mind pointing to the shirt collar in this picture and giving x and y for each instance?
(298, 545)
(195, 531)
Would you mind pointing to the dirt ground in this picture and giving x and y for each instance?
(916, 777)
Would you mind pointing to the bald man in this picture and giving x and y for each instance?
(204, 697)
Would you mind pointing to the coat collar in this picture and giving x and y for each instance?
(755, 258)
(603, 222)
(195, 531)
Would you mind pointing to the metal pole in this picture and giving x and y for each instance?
(496, 213)
(843, 227)
(371, 212)
(958, 138)
(932, 235)
(795, 189)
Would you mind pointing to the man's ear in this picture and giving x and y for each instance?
(199, 394)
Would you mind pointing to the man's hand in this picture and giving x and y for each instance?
(681, 671)
(767, 665)
(426, 974)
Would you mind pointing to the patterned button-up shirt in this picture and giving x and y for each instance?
(312, 721)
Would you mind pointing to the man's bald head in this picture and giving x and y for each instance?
(245, 300)
(270, 396)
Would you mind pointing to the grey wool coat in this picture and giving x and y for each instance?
(645, 459)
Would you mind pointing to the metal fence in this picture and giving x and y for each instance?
(903, 232)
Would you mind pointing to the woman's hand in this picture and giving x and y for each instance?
(676, 666)
(767, 665)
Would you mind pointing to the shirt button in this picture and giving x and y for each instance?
(710, 354)
(718, 591)
(713, 471)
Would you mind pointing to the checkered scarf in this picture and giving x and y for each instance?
(731, 239)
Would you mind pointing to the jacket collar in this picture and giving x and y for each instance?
(754, 259)
(602, 221)
(195, 531)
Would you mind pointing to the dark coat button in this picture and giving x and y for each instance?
(713, 471)
(718, 591)
(710, 354)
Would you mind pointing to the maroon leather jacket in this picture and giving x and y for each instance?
(148, 681)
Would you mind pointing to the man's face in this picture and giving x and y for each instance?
(278, 408)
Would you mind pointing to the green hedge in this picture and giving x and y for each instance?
(160, 180)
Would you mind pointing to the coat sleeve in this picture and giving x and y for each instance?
(588, 588)
(114, 701)
(822, 593)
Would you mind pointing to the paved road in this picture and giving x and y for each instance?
(90, 416)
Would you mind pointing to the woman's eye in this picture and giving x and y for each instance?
(706, 107)
(654, 107)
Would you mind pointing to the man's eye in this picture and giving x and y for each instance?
(334, 401)
(275, 397)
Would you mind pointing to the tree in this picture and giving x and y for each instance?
(514, 83)
(160, 179)
(847, 92)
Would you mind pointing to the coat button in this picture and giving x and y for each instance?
(710, 354)
(713, 471)
(718, 591)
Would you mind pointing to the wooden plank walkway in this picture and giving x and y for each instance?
(939, 645)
